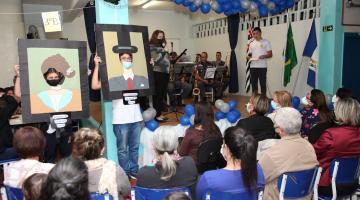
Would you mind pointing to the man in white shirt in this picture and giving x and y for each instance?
(259, 51)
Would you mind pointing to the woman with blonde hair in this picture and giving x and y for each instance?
(169, 169)
(337, 142)
(104, 175)
(280, 99)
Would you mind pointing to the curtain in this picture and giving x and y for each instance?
(233, 30)
(90, 20)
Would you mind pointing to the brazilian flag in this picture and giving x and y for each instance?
(290, 56)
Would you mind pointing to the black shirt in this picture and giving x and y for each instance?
(316, 131)
(186, 175)
(260, 127)
(8, 106)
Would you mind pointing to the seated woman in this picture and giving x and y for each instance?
(259, 126)
(29, 144)
(337, 142)
(242, 173)
(280, 99)
(104, 175)
(31, 187)
(66, 181)
(204, 128)
(315, 111)
(169, 169)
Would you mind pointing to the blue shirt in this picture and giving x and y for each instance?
(225, 180)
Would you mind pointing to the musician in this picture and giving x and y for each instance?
(206, 83)
(224, 78)
(180, 84)
(160, 53)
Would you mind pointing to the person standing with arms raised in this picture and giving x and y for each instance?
(259, 51)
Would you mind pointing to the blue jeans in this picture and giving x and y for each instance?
(128, 141)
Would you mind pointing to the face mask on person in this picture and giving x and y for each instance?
(127, 65)
(274, 105)
(53, 83)
(249, 107)
(304, 101)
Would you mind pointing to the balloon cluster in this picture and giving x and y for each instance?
(227, 110)
(148, 116)
(255, 8)
(188, 118)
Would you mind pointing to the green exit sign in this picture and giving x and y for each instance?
(328, 28)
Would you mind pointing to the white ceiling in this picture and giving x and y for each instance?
(157, 5)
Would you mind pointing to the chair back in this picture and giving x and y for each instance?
(345, 170)
(209, 156)
(140, 193)
(293, 185)
(99, 196)
(13, 193)
(214, 195)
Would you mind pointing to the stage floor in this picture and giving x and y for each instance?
(95, 109)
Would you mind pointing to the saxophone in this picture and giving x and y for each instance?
(196, 90)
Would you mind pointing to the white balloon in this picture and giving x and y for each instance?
(152, 111)
(219, 103)
(264, 1)
(253, 7)
(271, 5)
(206, 1)
(214, 5)
(147, 115)
(198, 2)
(225, 108)
(192, 119)
(245, 4)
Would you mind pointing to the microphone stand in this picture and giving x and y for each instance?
(172, 81)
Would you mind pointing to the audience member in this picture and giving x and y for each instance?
(169, 169)
(259, 126)
(68, 180)
(204, 128)
(31, 187)
(9, 91)
(315, 111)
(2, 92)
(8, 105)
(29, 143)
(280, 99)
(291, 153)
(104, 175)
(242, 173)
(337, 142)
(177, 196)
(342, 93)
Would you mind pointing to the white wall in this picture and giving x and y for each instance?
(12, 29)
(176, 25)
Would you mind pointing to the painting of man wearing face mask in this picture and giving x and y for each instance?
(128, 80)
(55, 98)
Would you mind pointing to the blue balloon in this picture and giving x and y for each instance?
(186, 3)
(295, 101)
(242, 10)
(219, 115)
(263, 11)
(231, 117)
(222, 1)
(179, 1)
(193, 7)
(152, 125)
(232, 104)
(219, 10)
(237, 113)
(236, 4)
(226, 7)
(205, 8)
(275, 11)
(276, 1)
(290, 3)
(228, 13)
(189, 110)
(185, 120)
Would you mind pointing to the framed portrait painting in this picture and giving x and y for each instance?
(125, 54)
(53, 79)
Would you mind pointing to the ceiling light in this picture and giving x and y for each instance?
(150, 3)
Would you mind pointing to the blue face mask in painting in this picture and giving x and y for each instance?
(127, 65)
